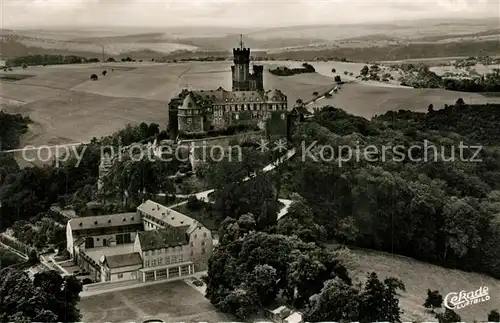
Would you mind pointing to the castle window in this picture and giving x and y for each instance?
(237, 116)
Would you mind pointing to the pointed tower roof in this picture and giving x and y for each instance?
(190, 102)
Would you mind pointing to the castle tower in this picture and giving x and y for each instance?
(258, 76)
(241, 68)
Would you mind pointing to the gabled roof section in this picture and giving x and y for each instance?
(302, 110)
(124, 260)
(104, 221)
(78, 242)
(163, 238)
(276, 95)
(190, 102)
(165, 214)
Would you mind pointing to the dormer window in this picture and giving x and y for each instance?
(95, 222)
(109, 221)
(124, 219)
(81, 224)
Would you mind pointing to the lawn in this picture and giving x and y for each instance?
(419, 276)
(171, 302)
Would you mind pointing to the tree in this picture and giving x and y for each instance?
(104, 73)
(299, 102)
(337, 79)
(460, 102)
(111, 60)
(93, 77)
(336, 302)
(334, 70)
(430, 109)
(449, 316)
(48, 298)
(494, 316)
(379, 301)
(434, 300)
(299, 221)
(315, 93)
(364, 71)
(24, 66)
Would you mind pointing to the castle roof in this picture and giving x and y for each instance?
(222, 96)
(190, 102)
(276, 95)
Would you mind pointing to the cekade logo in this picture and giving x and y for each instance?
(460, 300)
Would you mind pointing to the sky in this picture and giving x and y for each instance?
(235, 13)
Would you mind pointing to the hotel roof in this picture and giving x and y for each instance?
(163, 238)
(124, 260)
(165, 214)
(104, 221)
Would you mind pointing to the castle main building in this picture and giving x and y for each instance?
(247, 104)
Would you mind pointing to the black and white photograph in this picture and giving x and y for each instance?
(280, 161)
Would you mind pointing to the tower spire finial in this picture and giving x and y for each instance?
(241, 41)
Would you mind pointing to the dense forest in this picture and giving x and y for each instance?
(12, 126)
(443, 211)
(26, 193)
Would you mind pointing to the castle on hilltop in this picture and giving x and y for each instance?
(248, 104)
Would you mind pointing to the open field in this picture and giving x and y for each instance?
(171, 302)
(368, 100)
(66, 106)
(419, 276)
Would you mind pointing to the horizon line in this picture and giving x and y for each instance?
(233, 27)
